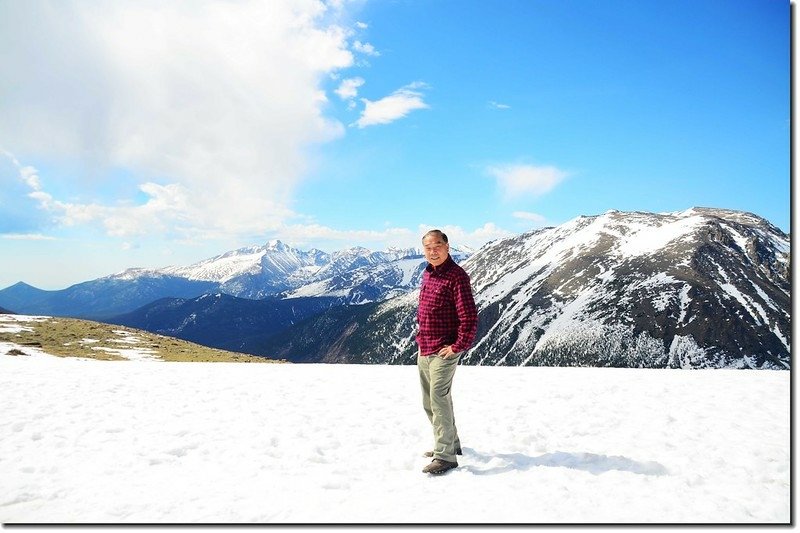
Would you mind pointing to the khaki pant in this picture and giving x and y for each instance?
(436, 378)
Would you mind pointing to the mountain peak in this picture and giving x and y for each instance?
(276, 245)
(134, 273)
(21, 285)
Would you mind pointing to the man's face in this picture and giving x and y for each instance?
(436, 249)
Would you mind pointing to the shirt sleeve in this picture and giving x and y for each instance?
(467, 314)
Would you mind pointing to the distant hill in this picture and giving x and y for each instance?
(223, 321)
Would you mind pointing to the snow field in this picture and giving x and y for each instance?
(136, 441)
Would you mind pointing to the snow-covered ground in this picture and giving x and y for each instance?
(144, 441)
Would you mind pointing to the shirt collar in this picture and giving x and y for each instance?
(448, 263)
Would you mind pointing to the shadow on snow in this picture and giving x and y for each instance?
(589, 462)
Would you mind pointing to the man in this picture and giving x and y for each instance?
(448, 322)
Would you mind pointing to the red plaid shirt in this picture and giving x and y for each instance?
(446, 313)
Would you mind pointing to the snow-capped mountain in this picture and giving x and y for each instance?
(367, 284)
(698, 288)
(703, 287)
(396, 272)
(255, 272)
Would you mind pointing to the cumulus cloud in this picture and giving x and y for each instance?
(348, 89)
(365, 48)
(393, 107)
(516, 180)
(212, 104)
(19, 211)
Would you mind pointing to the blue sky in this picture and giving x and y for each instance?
(149, 134)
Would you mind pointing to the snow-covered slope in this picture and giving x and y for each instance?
(703, 287)
(368, 283)
(228, 265)
(149, 442)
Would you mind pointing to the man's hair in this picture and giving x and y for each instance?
(439, 233)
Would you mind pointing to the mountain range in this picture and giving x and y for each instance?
(695, 289)
(699, 288)
(355, 275)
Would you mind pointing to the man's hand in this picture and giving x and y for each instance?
(446, 352)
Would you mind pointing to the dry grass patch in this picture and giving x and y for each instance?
(71, 337)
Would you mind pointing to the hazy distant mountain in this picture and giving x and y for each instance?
(102, 297)
(699, 288)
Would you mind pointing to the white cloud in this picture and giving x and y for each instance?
(27, 237)
(365, 48)
(362, 25)
(516, 180)
(326, 238)
(27, 174)
(31, 177)
(497, 105)
(348, 89)
(316, 233)
(529, 217)
(393, 107)
(213, 104)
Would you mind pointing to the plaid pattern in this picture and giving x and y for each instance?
(446, 313)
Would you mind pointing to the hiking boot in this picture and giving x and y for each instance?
(430, 454)
(439, 466)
